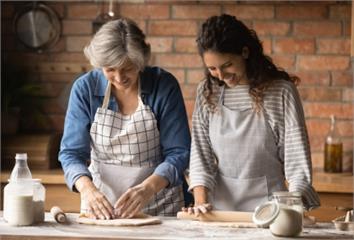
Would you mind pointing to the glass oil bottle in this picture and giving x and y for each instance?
(333, 149)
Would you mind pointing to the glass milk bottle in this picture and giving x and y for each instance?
(21, 170)
(38, 201)
(288, 222)
(18, 194)
(333, 149)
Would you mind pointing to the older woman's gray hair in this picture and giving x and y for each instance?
(116, 43)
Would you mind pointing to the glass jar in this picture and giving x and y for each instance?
(38, 201)
(18, 202)
(283, 215)
(288, 222)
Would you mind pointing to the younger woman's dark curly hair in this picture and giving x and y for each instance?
(227, 34)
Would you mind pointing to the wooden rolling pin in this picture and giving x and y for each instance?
(218, 216)
(58, 214)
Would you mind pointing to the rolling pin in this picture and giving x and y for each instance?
(218, 216)
(58, 214)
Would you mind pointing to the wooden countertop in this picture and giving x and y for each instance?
(333, 182)
(171, 228)
(53, 176)
(322, 182)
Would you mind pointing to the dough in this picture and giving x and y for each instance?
(138, 220)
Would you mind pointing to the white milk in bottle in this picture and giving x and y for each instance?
(18, 194)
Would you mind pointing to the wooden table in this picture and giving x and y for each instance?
(171, 228)
(335, 190)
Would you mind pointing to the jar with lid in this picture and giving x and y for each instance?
(38, 201)
(333, 149)
(18, 194)
(283, 215)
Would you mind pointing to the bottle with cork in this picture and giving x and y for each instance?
(333, 149)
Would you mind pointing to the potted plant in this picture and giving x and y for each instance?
(16, 94)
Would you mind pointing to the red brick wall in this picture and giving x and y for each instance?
(311, 40)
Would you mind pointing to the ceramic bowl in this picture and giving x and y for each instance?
(341, 225)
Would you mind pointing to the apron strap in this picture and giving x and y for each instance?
(107, 95)
(221, 97)
(140, 101)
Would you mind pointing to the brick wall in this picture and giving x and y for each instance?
(311, 40)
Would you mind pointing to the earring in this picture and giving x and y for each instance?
(245, 52)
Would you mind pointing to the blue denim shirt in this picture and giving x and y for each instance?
(159, 90)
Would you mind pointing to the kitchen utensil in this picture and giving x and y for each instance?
(218, 216)
(37, 26)
(102, 17)
(340, 224)
(58, 214)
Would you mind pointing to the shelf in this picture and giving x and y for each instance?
(322, 182)
(53, 176)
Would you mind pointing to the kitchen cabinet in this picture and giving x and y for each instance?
(335, 191)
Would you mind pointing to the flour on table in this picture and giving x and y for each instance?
(225, 224)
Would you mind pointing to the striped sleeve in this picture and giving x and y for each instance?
(202, 162)
(297, 154)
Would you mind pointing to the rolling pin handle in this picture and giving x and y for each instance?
(58, 214)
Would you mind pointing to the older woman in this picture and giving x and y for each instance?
(129, 120)
(249, 133)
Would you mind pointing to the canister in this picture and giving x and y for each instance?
(38, 201)
(283, 215)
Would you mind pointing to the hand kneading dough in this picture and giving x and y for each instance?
(138, 220)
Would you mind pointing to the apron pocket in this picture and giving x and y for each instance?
(234, 194)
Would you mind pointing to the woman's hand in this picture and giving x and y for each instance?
(97, 204)
(132, 201)
(198, 209)
(135, 198)
(201, 204)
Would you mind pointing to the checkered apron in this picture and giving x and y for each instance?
(125, 150)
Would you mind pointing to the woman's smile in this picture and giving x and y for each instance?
(229, 68)
(122, 77)
(121, 82)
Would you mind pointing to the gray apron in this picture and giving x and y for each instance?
(249, 169)
(125, 150)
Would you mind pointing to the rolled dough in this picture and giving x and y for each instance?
(138, 220)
